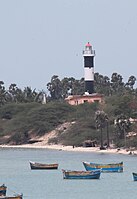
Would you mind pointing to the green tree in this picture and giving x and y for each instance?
(55, 88)
(65, 87)
(131, 82)
(29, 95)
(77, 86)
(13, 90)
(101, 118)
(2, 93)
(117, 85)
(60, 89)
(122, 125)
(102, 84)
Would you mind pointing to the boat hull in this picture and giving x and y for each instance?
(34, 165)
(12, 197)
(3, 190)
(67, 174)
(106, 168)
(134, 176)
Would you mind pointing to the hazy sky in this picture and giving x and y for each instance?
(42, 38)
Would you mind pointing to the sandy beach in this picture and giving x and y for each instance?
(71, 148)
(42, 143)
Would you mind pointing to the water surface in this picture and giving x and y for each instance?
(15, 172)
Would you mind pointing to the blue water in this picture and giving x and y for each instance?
(15, 172)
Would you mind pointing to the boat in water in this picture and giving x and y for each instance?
(113, 167)
(134, 176)
(3, 190)
(68, 174)
(36, 165)
(12, 197)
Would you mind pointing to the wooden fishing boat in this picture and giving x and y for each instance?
(3, 190)
(36, 165)
(135, 176)
(12, 197)
(68, 174)
(114, 167)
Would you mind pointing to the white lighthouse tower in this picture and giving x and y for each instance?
(89, 94)
(88, 55)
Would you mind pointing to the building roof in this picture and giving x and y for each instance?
(94, 95)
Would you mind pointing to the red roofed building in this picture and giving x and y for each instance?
(81, 99)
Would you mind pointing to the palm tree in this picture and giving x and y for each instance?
(2, 93)
(107, 124)
(101, 121)
(29, 94)
(122, 124)
(131, 82)
(117, 85)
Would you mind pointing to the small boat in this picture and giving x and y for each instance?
(135, 176)
(114, 167)
(12, 197)
(3, 190)
(68, 174)
(36, 165)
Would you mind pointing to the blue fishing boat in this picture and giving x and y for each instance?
(68, 174)
(135, 176)
(114, 167)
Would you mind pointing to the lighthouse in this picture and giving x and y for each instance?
(88, 55)
(89, 95)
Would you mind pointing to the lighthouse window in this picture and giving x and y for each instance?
(88, 62)
(85, 101)
(96, 101)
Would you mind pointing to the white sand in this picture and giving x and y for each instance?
(43, 144)
(70, 148)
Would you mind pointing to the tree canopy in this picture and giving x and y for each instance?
(22, 110)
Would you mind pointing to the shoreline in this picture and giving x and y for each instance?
(71, 148)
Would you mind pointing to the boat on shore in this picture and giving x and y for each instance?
(3, 190)
(134, 176)
(36, 165)
(68, 174)
(113, 167)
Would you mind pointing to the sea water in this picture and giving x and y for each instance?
(16, 174)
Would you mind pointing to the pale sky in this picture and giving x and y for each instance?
(42, 38)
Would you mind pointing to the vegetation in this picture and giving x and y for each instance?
(23, 116)
(32, 119)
